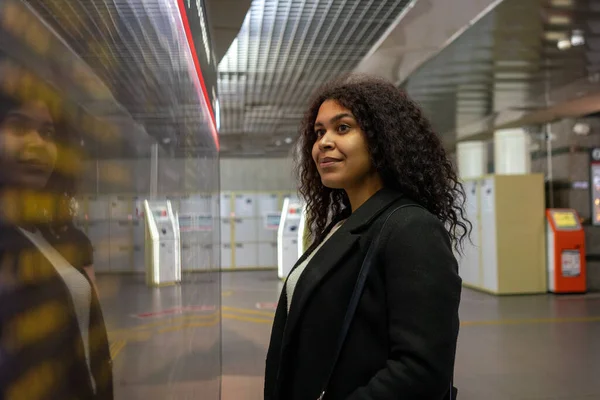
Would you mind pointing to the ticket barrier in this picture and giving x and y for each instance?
(566, 252)
(162, 243)
(290, 236)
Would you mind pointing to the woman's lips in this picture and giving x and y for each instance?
(34, 165)
(328, 162)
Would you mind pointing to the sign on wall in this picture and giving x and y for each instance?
(272, 220)
(595, 185)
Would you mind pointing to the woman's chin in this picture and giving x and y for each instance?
(331, 183)
(32, 181)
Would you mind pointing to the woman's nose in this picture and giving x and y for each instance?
(34, 138)
(325, 143)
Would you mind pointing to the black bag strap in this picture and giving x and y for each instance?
(356, 294)
(355, 298)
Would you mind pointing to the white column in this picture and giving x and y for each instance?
(154, 171)
(512, 152)
(471, 159)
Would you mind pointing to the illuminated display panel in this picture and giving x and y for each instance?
(160, 213)
(565, 220)
(595, 186)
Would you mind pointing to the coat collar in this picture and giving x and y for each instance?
(364, 215)
(332, 252)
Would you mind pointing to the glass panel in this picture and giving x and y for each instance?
(110, 196)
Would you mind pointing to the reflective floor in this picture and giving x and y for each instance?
(521, 348)
(165, 342)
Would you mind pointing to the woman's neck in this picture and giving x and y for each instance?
(360, 194)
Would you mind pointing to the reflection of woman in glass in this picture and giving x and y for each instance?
(74, 245)
(53, 341)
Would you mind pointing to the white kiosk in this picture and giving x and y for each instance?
(163, 244)
(290, 236)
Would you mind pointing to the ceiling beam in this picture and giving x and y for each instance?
(225, 18)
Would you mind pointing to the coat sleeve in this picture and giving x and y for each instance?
(273, 358)
(423, 294)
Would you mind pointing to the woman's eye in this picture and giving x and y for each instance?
(16, 127)
(343, 128)
(47, 133)
(320, 132)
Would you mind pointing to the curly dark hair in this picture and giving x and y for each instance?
(406, 152)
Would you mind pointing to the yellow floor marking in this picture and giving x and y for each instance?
(129, 335)
(143, 332)
(248, 319)
(116, 347)
(146, 331)
(169, 321)
(189, 325)
(249, 311)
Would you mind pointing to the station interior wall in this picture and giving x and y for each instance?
(570, 170)
(252, 194)
(241, 197)
(241, 240)
(110, 199)
(570, 161)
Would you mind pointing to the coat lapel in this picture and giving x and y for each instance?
(325, 260)
(333, 252)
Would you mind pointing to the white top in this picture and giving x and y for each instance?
(79, 288)
(297, 272)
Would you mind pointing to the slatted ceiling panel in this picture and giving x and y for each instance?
(105, 42)
(139, 49)
(284, 50)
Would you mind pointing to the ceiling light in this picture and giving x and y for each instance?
(577, 38)
(561, 3)
(564, 44)
(558, 19)
(555, 36)
(278, 143)
(581, 129)
(166, 140)
(594, 78)
(217, 111)
(288, 140)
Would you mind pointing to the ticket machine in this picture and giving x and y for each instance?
(290, 236)
(163, 244)
(566, 251)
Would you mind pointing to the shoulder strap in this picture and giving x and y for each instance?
(357, 293)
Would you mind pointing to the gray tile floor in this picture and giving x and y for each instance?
(511, 348)
(165, 342)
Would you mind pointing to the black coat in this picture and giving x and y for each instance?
(402, 342)
(42, 352)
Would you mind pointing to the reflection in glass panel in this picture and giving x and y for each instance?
(109, 249)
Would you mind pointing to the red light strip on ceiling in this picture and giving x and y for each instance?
(190, 39)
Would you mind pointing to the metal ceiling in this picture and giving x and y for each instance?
(419, 33)
(138, 48)
(225, 19)
(284, 50)
(509, 63)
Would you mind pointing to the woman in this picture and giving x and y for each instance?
(53, 341)
(365, 150)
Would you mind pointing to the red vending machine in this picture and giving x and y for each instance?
(565, 242)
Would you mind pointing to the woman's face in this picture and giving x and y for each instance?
(27, 149)
(341, 151)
